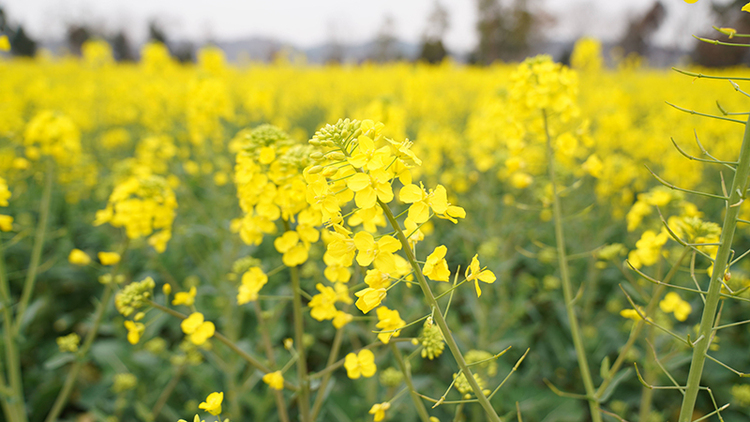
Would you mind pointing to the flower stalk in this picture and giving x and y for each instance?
(438, 316)
(700, 349)
(562, 258)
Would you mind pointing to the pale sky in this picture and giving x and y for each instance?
(306, 23)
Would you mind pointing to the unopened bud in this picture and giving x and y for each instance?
(314, 170)
(336, 156)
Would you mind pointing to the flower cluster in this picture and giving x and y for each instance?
(142, 205)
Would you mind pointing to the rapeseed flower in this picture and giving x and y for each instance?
(274, 380)
(79, 257)
(360, 364)
(212, 404)
(435, 267)
(477, 274)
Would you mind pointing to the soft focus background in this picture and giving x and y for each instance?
(474, 31)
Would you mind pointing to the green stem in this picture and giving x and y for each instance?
(303, 394)
(168, 390)
(218, 336)
(320, 397)
(36, 252)
(736, 194)
(405, 368)
(14, 405)
(70, 380)
(567, 288)
(438, 317)
(278, 395)
(101, 308)
(652, 303)
(647, 394)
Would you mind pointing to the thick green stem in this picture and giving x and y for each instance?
(320, 397)
(438, 317)
(13, 405)
(405, 368)
(575, 332)
(36, 252)
(736, 194)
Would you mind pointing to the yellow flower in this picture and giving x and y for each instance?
(422, 202)
(79, 257)
(252, 281)
(109, 258)
(198, 330)
(473, 272)
(369, 299)
(745, 8)
(389, 320)
(323, 303)
(4, 43)
(371, 187)
(369, 250)
(379, 411)
(673, 303)
(274, 380)
(360, 364)
(630, 314)
(212, 404)
(435, 267)
(341, 319)
(367, 156)
(6, 223)
(135, 330)
(185, 298)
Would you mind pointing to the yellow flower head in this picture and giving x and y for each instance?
(673, 303)
(6, 223)
(135, 330)
(185, 298)
(4, 43)
(475, 273)
(212, 404)
(274, 380)
(198, 330)
(378, 410)
(360, 364)
(435, 267)
(252, 281)
(109, 258)
(323, 304)
(369, 299)
(389, 320)
(79, 257)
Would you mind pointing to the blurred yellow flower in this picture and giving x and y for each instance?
(79, 257)
(109, 258)
(185, 298)
(274, 380)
